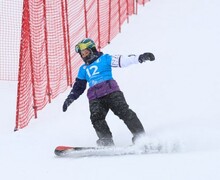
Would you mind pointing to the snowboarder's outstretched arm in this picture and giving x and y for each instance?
(78, 88)
(124, 61)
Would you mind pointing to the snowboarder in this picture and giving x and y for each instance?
(104, 92)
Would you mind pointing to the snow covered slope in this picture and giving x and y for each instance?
(176, 97)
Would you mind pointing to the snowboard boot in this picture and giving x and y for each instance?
(136, 138)
(105, 142)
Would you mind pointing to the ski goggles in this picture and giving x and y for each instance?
(82, 46)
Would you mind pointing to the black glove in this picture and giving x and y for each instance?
(145, 57)
(67, 102)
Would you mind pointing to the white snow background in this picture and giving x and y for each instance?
(177, 98)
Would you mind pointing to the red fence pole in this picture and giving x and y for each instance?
(98, 18)
(109, 22)
(136, 7)
(24, 21)
(85, 17)
(31, 62)
(68, 43)
(46, 51)
(65, 42)
(119, 14)
(127, 11)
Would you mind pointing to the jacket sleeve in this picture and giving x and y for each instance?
(78, 88)
(124, 61)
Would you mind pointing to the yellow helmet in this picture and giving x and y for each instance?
(85, 44)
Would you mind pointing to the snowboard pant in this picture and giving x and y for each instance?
(117, 103)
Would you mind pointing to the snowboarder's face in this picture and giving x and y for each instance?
(87, 55)
(84, 53)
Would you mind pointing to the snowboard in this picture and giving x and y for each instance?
(77, 152)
